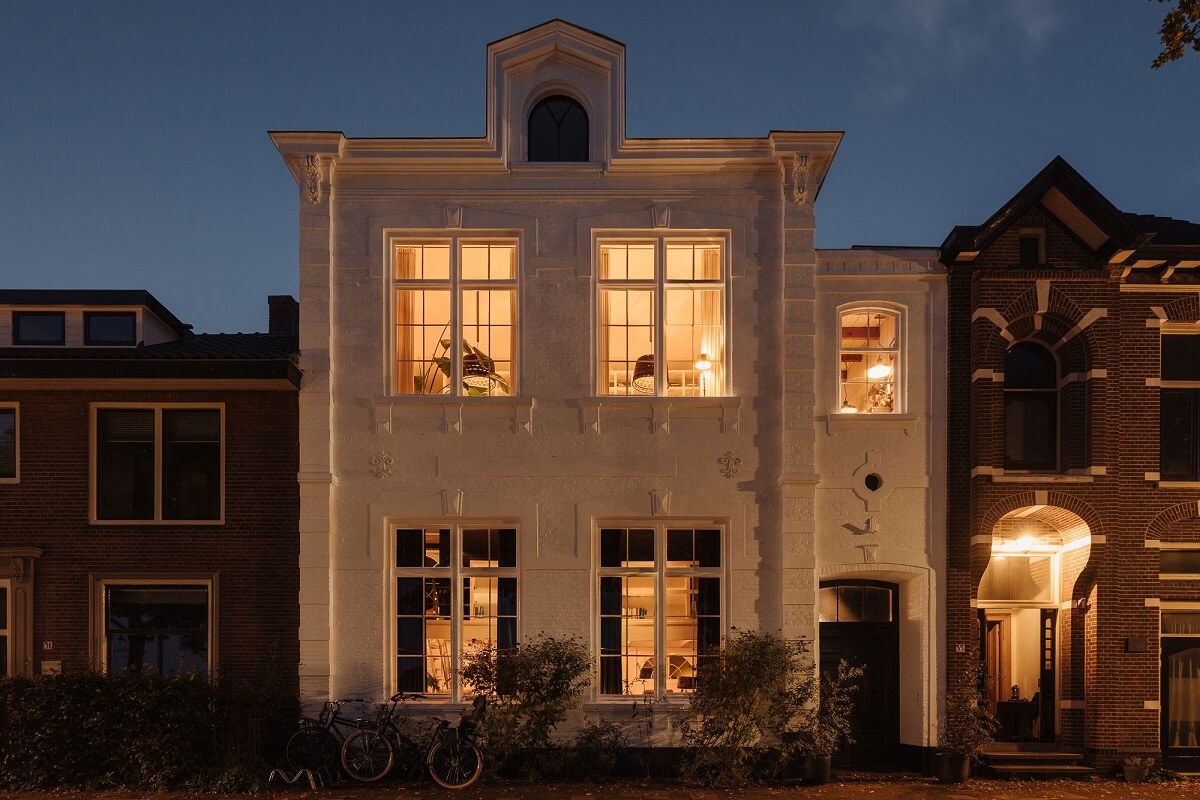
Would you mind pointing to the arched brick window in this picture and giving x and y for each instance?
(1030, 408)
(558, 130)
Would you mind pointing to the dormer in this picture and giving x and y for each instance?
(68, 318)
(561, 84)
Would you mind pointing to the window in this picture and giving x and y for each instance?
(455, 317)
(5, 628)
(660, 607)
(109, 328)
(38, 327)
(158, 464)
(1029, 249)
(1030, 408)
(558, 130)
(662, 301)
(1179, 562)
(434, 623)
(9, 444)
(1179, 407)
(870, 360)
(160, 627)
(856, 602)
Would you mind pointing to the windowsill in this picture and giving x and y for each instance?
(1178, 484)
(1178, 576)
(157, 522)
(1040, 477)
(624, 701)
(659, 411)
(836, 421)
(540, 168)
(453, 408)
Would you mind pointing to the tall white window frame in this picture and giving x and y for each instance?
(12, 475)
(101, 585)
(666, 669)
(459, 582)
(633, 270)
(870, 359)
(437, 343)
(159, 444)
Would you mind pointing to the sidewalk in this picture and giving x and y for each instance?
(849, 787)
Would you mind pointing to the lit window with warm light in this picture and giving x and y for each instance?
(454, 317)
(869, 360)
(662, 318)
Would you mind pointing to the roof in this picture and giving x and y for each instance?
(204, 356)
(93, 297)
(1108, 231)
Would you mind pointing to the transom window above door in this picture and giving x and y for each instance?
(454, 315)
(869, 360)
(662, 317)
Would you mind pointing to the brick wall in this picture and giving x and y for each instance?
(254, 554)
(1109, 422)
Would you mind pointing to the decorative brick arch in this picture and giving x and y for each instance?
(1169, 516)
(1185, 309)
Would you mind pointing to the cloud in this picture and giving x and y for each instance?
(911, 41)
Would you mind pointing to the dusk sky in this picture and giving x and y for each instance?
(136, 154)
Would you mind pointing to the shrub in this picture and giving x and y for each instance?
(530, 689)
(87, 730)
(969, 724)
(762, 692)
(600, 748)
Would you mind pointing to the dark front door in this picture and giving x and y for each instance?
(859, 625)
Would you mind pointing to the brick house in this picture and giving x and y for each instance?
(562, 380)
(1073, 557)
(148, 490)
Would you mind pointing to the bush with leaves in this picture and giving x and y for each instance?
(137, 731)
(762, 692)
(530, 688)
(969, 723)
(600, 750)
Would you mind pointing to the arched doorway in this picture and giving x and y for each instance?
(1037, 553)
(860, 623)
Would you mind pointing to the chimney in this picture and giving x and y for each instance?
(283, 315)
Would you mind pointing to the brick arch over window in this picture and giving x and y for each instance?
(1185, 309)
(1076, 351)
(1169, 516)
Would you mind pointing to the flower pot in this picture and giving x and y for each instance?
(952, 767)
(815, 770)
(1135, 773)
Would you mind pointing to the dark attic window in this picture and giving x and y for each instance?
(1029, 251)
(558, 130)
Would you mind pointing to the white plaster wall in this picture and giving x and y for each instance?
(906, 449)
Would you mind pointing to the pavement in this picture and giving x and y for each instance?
(844, 787)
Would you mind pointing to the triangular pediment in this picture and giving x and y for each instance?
(1060, 191)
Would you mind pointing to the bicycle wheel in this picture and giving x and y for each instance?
(312, 748)
(455, 766)
(367, 756)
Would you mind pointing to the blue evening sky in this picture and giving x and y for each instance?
(135, 152)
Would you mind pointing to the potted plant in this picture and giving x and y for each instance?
(821, 723)
(969, 726)
(1136, 769)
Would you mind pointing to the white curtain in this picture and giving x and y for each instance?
(406, 369)
(709, 317)
(1183, 707)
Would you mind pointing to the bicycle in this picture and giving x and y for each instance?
(451, 757)
(318, 743)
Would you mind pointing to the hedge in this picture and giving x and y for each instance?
(136, 731)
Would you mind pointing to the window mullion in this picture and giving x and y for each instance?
(661, 665)
(454, 351)
(158, 464)
(660, 306)
(456, 609)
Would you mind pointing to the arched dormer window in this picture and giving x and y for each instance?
(1030, 408)
(558, 130)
